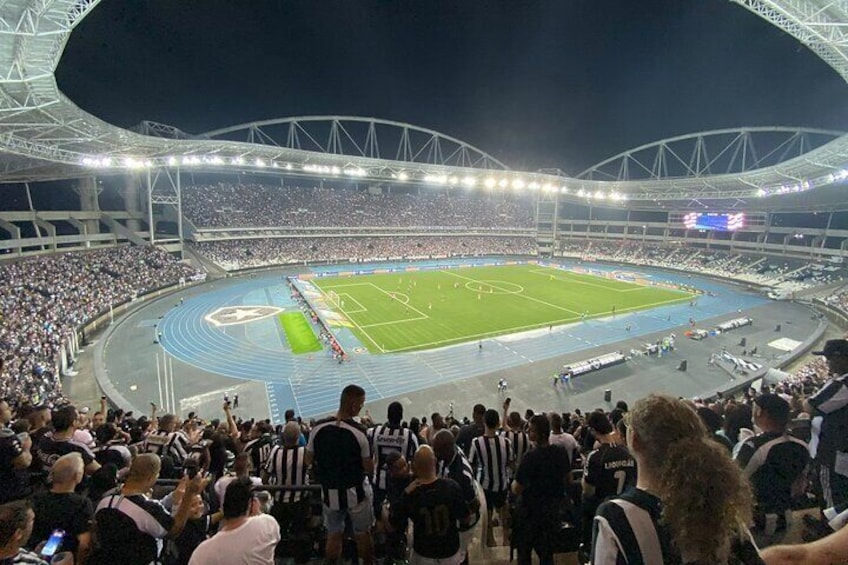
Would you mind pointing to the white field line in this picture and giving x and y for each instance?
(517, 329)
(578, 281)
(394, 322)
(521, 294)
(351, 320)
(358, 303)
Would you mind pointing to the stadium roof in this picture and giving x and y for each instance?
(45, 136)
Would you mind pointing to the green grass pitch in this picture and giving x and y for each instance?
(299, 333)
(420, 310)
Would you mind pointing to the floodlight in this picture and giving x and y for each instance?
(547, 187)
(600, 195)
(172, 161)
(260, 163)
(564, 189)
(454, 180)
(581, 193)
(533, 185)
(469, 181)
(490, 182)
(288, 166)
(517, 184)
(503, 183)
(402, 175)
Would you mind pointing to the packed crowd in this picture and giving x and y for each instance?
(44, 299)
(663, 481)
(785, 274)
(250, 253)
(839, 300)
(243, 205)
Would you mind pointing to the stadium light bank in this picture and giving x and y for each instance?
(517, 183)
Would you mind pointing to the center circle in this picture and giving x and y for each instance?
(494, 287)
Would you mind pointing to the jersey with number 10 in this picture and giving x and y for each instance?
(610, 469)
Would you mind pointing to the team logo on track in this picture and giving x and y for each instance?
(235, 315)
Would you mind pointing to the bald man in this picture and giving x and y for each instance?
(436, 508)
(61, 508)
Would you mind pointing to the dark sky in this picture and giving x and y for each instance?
(558, 83)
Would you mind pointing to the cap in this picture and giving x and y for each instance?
(775, 406)
(834, 347)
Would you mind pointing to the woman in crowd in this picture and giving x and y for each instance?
(691, 503)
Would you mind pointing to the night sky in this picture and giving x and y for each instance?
(559, 83)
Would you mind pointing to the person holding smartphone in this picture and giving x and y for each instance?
(60, 508)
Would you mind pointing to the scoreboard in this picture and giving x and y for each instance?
(716, 221)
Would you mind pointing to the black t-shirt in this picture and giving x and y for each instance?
(435, 510)
(541, 476)
(610, 469)
(50, 450)
(773, 462)
(14, 482)
(466, 435)
(64, 511)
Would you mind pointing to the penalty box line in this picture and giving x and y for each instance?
(352, 299)
(351, 320)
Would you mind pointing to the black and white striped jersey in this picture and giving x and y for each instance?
(259, 450)
(491, 456)
(339, 448)
(520, 443)
(174, 444)
(385, 439)
(627, 530)
(285, 467)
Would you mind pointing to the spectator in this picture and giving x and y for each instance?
(241, 470)
(775, 462)
(691, 502)
(287, 466)
(436, 508)
(169, 441)
(829, 406)
(261, 443)
(491, 456)
(518, 438)
(60, 441)
(470, 431)
(385, 439)
(452, 464)
(131, 526)
(608, 471)
(245, 536)
(563, 439)
(15, 460)
(339, 449)
(16, 521)
(61, 508)
(540, 483)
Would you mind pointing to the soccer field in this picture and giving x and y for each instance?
(420, 310)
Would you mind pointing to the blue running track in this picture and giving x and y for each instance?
(311, 383)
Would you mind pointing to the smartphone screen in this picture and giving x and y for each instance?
(53, 544)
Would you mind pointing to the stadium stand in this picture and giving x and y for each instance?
(260, 205)
(296, 519)
(44, 298)
(251, 253)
